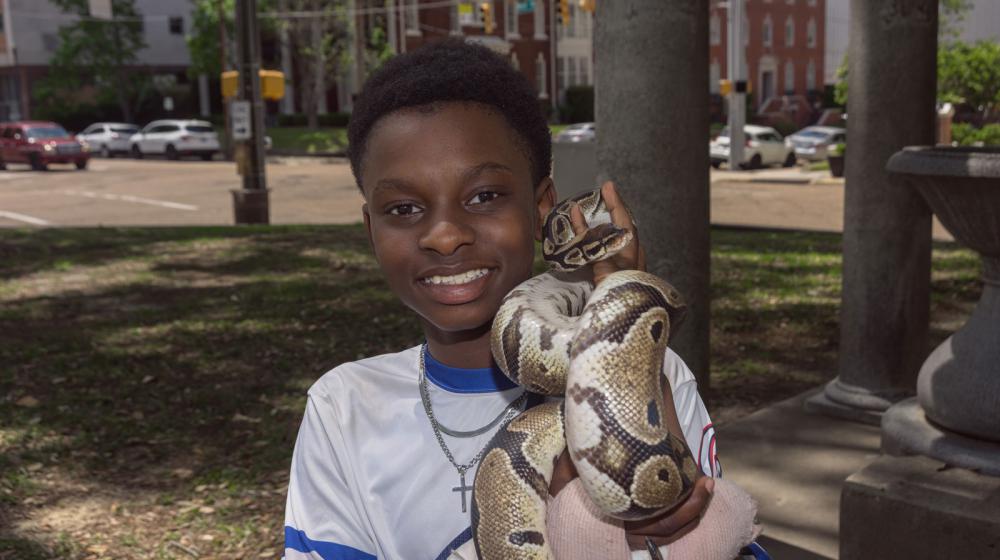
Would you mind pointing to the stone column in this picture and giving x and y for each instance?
(651, 108)
(885, 306)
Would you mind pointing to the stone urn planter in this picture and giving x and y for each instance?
(958, 387)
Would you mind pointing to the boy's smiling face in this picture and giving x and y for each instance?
(451, 212)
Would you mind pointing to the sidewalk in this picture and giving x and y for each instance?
(794, 464)
(776, 175)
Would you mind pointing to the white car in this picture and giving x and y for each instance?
(175, 138)
(579, 132)
(813, 142)
(108, 138)
(764, 146)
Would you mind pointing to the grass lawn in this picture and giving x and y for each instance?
(153, 379)
(301, 139)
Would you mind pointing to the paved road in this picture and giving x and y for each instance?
(322, 191)
(130, 192)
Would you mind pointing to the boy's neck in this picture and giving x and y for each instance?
(467, 350)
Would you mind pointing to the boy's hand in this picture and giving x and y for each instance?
(662, 530)
(632, 257)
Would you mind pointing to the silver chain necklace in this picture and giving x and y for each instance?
(508, 414)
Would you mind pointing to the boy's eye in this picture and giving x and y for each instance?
(404, 209)
(484, 197)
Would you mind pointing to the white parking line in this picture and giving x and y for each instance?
(130, 198)
(22, 218)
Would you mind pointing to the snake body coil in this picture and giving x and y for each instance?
(603, 349)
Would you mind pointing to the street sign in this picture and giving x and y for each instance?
(239, 113)
(525, 6)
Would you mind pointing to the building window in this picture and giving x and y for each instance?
(765, 34)
(510, 19)
(540, 21)
(571, 77)
(746, 29)
(412, 17)
(811, 76)
(561, 73)
(811, 33)
(789, 31)
(584, 72)
(176, 25)
(540, 77)
(789, 77)
(50, 41)
(715, 29)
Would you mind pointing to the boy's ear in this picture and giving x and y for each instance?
(545, 200)
(368, 225)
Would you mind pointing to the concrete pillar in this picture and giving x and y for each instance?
(652, 138)
(885, 305)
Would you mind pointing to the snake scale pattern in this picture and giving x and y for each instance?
(603, 349)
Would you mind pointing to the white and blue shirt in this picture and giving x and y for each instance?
(368, 478)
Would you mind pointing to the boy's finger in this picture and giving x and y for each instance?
(620, 215)
(577, 220)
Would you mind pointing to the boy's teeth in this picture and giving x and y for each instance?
(462, 278)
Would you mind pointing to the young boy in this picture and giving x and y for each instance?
(452, 154)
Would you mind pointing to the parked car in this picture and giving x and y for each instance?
(764, 146)
(39, 143)
(108, 138)
(813, 142)
(175, 138)
(579, 132)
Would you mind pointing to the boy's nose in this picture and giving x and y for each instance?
(446, 236)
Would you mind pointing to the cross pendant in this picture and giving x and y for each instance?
(463, 489)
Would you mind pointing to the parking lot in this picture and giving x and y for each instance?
(155, 192)
(123, 192)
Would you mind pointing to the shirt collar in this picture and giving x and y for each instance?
(461, 380)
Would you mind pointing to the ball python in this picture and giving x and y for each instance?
(603, 348)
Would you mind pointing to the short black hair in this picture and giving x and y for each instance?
(452, 70)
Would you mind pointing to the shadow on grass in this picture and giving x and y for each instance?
(132, 355)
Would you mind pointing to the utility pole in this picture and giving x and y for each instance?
(251, 202)
(738, 76)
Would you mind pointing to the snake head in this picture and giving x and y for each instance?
(566, 251)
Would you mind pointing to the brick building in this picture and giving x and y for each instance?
(522, 32)
(785, 42)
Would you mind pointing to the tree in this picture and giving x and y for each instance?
(99, 54)
(970, 74)
(951, 14)
(320, 41)
(205, 37)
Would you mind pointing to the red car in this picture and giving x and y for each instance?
(39, 143)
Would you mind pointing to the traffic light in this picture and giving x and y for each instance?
(563, 13)
(486, 8)
(725, 87)
(588, 5)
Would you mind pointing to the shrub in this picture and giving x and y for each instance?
(965, 134)
(329, 120)
(579, 105)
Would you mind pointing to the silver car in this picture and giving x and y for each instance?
(579, 132)
(813, 142)
(175, 138)
(108, 138)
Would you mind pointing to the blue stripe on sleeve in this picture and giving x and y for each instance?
(298, 541)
